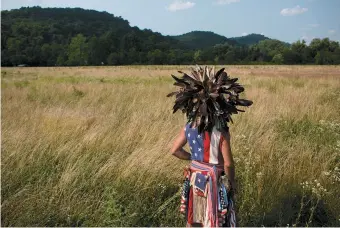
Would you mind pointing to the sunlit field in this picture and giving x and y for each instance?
(89, 146)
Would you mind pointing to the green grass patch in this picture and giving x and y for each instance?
(321, 133)
(21, 84)
(330, 96)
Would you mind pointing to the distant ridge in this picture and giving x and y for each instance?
(203, 39)
(250, 39)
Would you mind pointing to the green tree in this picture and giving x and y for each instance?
(269, 48)
(61, 59)
(78, 51)
(230, 57)
(299, 46)
(46, 51)
(155, 57)
(324, 58)
(113, 59)
(197, 56)
(278, 59)
(291, 57)
(97, 52)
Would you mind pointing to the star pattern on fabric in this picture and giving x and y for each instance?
(195, 141)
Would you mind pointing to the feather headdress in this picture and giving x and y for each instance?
(208, 98)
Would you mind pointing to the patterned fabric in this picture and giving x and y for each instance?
(209, 205)
(185, 193)
(201, 182)
(204, 147)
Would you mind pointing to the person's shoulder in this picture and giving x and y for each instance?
(186, 127)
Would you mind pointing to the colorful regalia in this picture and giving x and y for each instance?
(208, 99)
(205, 200)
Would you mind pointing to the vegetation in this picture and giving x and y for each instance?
(203, 40)
(76, 37)
(250, 39)
(89, 146)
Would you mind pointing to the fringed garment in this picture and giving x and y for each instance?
(205, 200)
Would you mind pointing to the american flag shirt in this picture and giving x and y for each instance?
(205, 147)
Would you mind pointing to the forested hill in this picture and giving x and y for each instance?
(203, 39)
(250, 39)
(49, 36)
(36, 36)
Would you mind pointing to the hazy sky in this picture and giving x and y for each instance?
(287, 20)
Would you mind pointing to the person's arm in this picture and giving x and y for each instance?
(177, 148)
(229, 167)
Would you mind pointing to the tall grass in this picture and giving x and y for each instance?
(90, 146)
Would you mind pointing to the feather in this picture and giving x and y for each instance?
(226, 86)
(207, 98)
(205, 74)
(172, 93)
(214, 95)
(238, 89)
(180, 84)
(223, 78)
(191, 79)
(232, 80)
(210, 75)
(244, 102)
(203, 109)
(179, 80)
(218, 73)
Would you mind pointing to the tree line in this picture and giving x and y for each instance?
(76, 37)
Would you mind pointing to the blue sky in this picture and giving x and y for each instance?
(286, 20)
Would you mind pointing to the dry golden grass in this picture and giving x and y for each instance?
(90, 146)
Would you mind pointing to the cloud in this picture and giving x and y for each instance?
(331, 32)
(293, 11)
(244, 34)
(180, 5)
(226, 2)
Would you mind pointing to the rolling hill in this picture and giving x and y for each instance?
(203, 39)
(249, 39)
(252, 39)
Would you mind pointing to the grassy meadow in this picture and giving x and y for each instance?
(89, 146)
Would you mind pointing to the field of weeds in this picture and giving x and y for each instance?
(90, 146)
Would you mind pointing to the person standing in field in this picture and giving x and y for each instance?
(208, 99)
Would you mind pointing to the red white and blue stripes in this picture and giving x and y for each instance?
(204, 147)
(213, 208)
